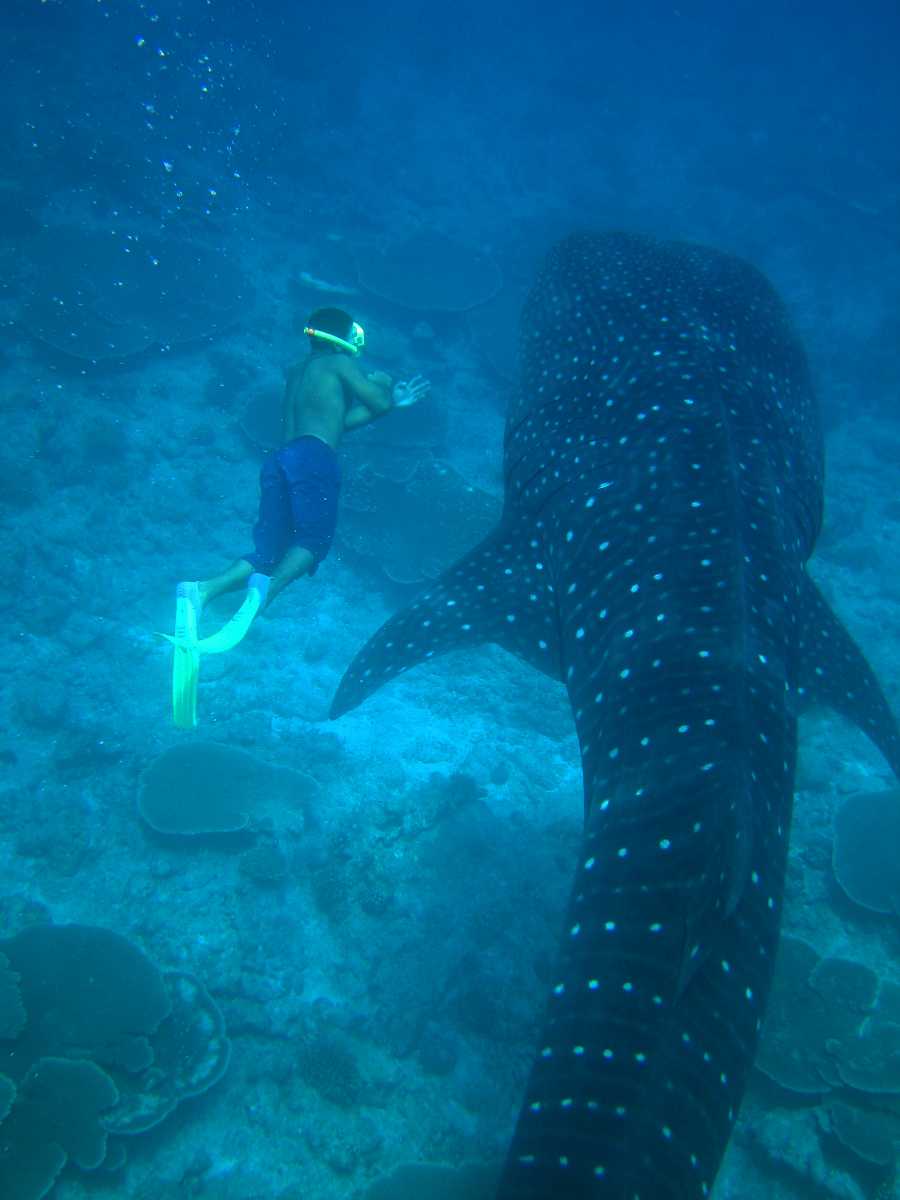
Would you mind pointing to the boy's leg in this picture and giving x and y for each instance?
(269, 536)
(313, 480)
(295, 563)
(228, 581)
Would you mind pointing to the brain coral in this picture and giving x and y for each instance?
(871, 1136)
(87, 991)
(190, 1054)
(409, 549)
(835, 996)
(108, 1045)
(832, 1033)
(865, 859)
(205, 788)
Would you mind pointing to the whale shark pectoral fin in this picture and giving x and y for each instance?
(479, 599)
(832, 670)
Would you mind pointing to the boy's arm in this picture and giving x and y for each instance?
(371, 395)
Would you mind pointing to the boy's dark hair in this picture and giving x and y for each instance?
(329, 320)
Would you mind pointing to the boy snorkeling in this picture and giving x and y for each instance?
(325, 397)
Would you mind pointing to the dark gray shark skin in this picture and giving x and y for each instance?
(663, 467)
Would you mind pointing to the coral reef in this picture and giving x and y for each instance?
(198, 788)
(327, 1065)
(391, 468)
(87, 992)
(190, 1054)
(865, 859)
(264, 864)
(96, 1042)
(833, 1032)
(409, 549)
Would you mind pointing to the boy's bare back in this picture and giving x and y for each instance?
(328, 395)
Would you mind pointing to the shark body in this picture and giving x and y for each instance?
(663, 469)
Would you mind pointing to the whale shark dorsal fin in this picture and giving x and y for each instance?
(479, 599)
(832, 670)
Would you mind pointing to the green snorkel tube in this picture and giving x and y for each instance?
(352, 344)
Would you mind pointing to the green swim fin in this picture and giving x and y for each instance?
(188, 647)
(185, 677)
(186, 660)
(234, 630)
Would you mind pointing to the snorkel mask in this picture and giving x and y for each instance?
(353, 343)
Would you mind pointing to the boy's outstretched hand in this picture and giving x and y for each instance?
(412, 392)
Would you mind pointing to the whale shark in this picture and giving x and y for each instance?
(663, 466)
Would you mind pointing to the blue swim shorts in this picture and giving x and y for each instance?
(299, 487)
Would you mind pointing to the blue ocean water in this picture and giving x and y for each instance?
(354, 959)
